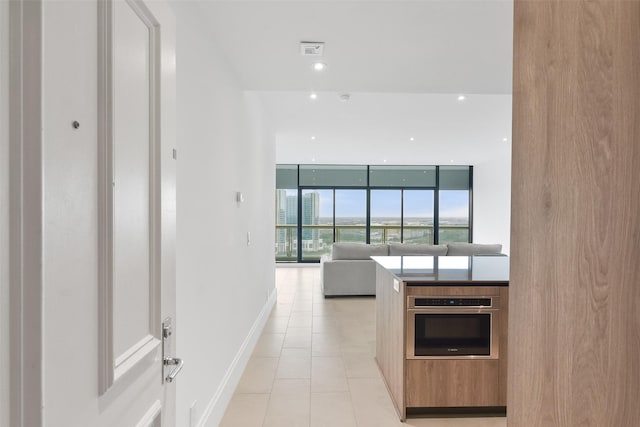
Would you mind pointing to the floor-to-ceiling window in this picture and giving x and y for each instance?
(454, 199)
(351, 215)
(317, 223)
(287, 213)
(386, 216)
(369, 204)
(417, 216)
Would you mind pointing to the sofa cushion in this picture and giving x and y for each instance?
(416, 249)
(466, 249)
(349, 277)
(357, 251)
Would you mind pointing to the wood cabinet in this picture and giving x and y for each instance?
(390, 343)
(438, 382)
(452, 383)
(575, 228)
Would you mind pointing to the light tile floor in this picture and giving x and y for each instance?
(314, 365)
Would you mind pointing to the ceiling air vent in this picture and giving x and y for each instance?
(311, 48)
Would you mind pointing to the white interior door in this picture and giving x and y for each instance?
(109, 212)
(135, 230)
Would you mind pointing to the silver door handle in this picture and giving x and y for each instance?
(179, 363)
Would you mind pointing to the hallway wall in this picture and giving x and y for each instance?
(223, 284)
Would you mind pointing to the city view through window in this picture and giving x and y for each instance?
(331, 215)
(317, 205)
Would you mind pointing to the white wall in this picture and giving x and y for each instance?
(4, 213)
(223, 285)
(492, 200)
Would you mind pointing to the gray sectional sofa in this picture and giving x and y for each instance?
(349, 269)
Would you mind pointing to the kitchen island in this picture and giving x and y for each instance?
(441, 332)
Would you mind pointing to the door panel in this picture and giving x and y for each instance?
(131, 180)
(153, 416)
(109, 214)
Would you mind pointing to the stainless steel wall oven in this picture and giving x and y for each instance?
(452, 327)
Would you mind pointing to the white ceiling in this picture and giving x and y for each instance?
(372, 128)
(403, 62)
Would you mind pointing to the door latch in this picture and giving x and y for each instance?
(173, 363)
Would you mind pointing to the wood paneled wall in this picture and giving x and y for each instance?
(574, 338)
(390, 328)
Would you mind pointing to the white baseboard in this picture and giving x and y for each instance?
(214, 412)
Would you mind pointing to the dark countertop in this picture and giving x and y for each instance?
(435, 270)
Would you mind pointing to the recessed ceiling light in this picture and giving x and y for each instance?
(345, 97)
(313, 160)
(505, 139)
(313, 137)
(451, 161)
(319, 66)
(384, 161)
(461, 97)
(412, 139)
(313, 95)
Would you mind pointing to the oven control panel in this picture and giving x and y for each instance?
(450, 302)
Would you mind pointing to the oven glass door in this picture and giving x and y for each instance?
(460, 334)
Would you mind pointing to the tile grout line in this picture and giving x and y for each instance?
(264, 419)
(344, 314)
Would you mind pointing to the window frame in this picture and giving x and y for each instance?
(368, 188)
